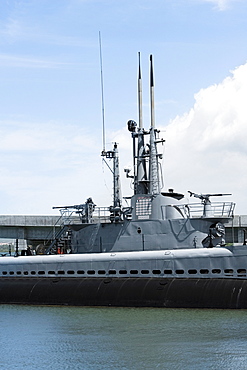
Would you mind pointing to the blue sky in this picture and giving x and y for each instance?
(50, 116)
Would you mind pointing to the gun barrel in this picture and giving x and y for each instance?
(75, 207)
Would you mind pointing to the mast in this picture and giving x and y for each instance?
(154, 186)
(141, 175)
(116, 178)
(140, 92)
(113, 154)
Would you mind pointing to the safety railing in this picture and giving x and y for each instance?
(215, 209)
(100, 214)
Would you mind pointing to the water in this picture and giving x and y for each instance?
(41, 337)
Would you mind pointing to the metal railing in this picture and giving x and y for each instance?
(100, 214)
(215, 209)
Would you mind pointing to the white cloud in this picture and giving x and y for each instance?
(206, 149)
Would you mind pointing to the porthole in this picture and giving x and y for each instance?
(192, 272)
(156, 272)
(11, 272)
(228, 271)
(133, 272)
(204, 271)
(80, 272)
(216, 271)
(122, 272)
(112, 272)
(179, 272)
(61, 272)
(51, 272)
(18, 272)
(33, 272)
(41, 272)
(25, 272)
(167, 272)
(4, 272)
(101, 272)
(241, 271)
(145, 272)
(90, 272)
(70, 272)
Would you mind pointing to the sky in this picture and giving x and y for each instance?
(51, 103)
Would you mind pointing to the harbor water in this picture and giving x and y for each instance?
(52, 337)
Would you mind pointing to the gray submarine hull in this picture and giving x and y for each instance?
(126, 292)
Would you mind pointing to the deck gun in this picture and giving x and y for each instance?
(205, 198)
(85, 210)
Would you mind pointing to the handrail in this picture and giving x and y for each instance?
(215, 209)
(52, 234)
(100, 214)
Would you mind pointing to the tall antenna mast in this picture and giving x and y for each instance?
(140, 92)
(102, 93)
(154, 187)
(141, 173)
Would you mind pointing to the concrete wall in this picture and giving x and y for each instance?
(28, 227)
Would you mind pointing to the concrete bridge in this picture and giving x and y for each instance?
(34, 229)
